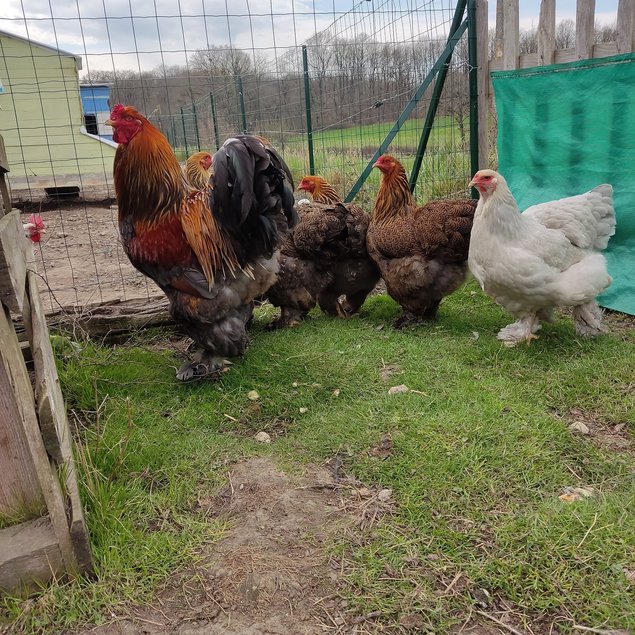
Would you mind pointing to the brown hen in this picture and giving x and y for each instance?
(324, 258)
(421, 251)
(197, 170)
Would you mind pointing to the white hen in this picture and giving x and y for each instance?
(547, 256)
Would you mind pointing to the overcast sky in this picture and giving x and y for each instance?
(144, 34)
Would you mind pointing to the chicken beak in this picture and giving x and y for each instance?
(109, 122)
(472, 183)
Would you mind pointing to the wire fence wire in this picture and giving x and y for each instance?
(203, 70)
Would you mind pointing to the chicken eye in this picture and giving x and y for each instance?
(128, 118)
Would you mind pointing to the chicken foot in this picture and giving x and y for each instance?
(524, 329)
(289, 316)
(587, 319)
(205, 364)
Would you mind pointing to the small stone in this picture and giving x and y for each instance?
(252, 395)
(262, 437)
(303, 410)
(579, 427)
(364, 492)
(336, 392)
(385, 495)
(395, 390)
(295, 384)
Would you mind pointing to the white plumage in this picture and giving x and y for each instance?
(546, 257)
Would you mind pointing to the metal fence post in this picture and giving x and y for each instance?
(434, 100)
(212, 102)
(307, 99)
(184, 133)
(241, 99)
(473, 78)
(198, 139)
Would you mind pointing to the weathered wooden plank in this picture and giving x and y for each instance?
(625, 26)
(20, 492)
(584, 29)
(13, 248)
(46, 474)
(5, 206)
(53, 420)
(50, 403)
(29, 555)
(562, 56)
(482, 88)
(112, 318)
(511, 33)
(4, 163)
(546, 32)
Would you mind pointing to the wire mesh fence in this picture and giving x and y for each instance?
(323, 82)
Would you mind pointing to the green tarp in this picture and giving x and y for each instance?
(564, 129)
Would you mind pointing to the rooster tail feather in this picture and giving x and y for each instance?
(252, 196)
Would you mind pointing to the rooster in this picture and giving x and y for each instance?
(324, 260)
(197, 170)
(548, 256)
(421, 251)
(211, 251)
(34, 228)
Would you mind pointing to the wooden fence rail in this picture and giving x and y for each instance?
(44, 533)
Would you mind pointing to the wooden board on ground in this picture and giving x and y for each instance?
(29, 554)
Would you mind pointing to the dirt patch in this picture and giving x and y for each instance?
(616, 437)
(81, 260)
(270, 574)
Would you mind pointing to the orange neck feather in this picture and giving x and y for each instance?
(394, 195)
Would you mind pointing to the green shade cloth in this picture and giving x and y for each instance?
(562, 130)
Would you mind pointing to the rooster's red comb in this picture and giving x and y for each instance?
(118, 109)
(36, 220)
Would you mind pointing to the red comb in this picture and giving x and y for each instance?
(117, 109)
(36, 219)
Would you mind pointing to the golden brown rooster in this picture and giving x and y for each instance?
(212, 252)
(197, 170)
(421, 251)
(324, 258)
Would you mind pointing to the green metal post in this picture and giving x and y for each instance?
(471, 41)
(187, 153)
(307, 100)
(434, 100)
(212, 102)
(198, 139)
(241, 99)
(449, 47)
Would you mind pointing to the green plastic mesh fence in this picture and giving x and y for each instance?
(564, 129)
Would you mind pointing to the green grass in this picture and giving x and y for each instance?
(481, 454)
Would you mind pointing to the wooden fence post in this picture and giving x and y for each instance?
(511, 31)
(584, 26)
(482, 90)
(547, 32)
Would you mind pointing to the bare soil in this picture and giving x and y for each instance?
(81, 260)
(270, 574)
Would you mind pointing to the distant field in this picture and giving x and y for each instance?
(341, 154)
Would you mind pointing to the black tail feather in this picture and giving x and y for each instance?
(252, 197)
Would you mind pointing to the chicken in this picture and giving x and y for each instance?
(197, 170)
(211, 252)
(421, 251)
(549, 256)
(34, 228)
(324, 259)
(320, 190)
